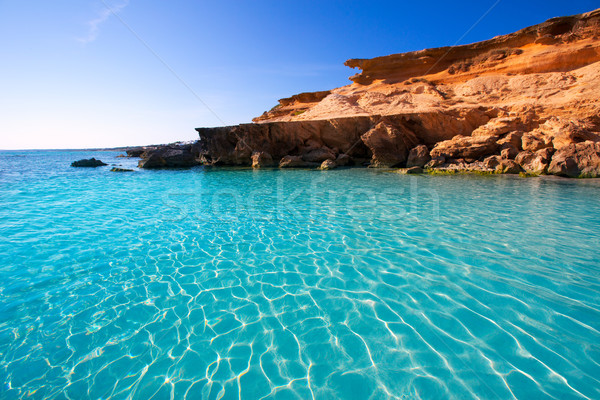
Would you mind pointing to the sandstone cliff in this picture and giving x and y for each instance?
(528, 101)
(548, 65)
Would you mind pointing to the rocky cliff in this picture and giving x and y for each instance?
(524, 102)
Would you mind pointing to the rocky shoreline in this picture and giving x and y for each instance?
(521, 103)
(502, 145)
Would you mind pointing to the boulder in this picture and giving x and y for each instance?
(534, 163)
(436, 162)
(492, 162)
(557, 132)
(535, 140)
(562, 132)
(328, 164)
(497, 127)
(88, 163)
(512, 138)
(418, 156)
(577, 160)
(389, 144)
(456, 166)
(319, 155)
(467, 147)
(508, 151)
(151, 161)
(508, 167)
(262, 159)
(573, 134)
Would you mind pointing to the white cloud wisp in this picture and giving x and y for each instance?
(103, 16)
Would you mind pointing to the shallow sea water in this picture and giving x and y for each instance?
(345, 284)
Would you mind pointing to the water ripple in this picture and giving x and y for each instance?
(347, 284)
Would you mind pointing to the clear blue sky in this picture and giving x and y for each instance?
(73, 75)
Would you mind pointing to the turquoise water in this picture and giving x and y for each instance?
(345, 284)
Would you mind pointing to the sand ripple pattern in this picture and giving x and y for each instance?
(346, 284)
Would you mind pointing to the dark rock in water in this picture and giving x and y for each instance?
(152, 161)
(135, 151)
(88, 163)
(170, 156)
(115, 169)
(234, 145)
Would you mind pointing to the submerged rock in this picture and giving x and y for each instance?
(116, 169)
(88, 163)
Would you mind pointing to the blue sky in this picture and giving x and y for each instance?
(75, 75)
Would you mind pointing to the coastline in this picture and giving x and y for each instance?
(523, 103)
(428, 231)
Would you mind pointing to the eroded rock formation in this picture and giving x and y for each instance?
(528, 101)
